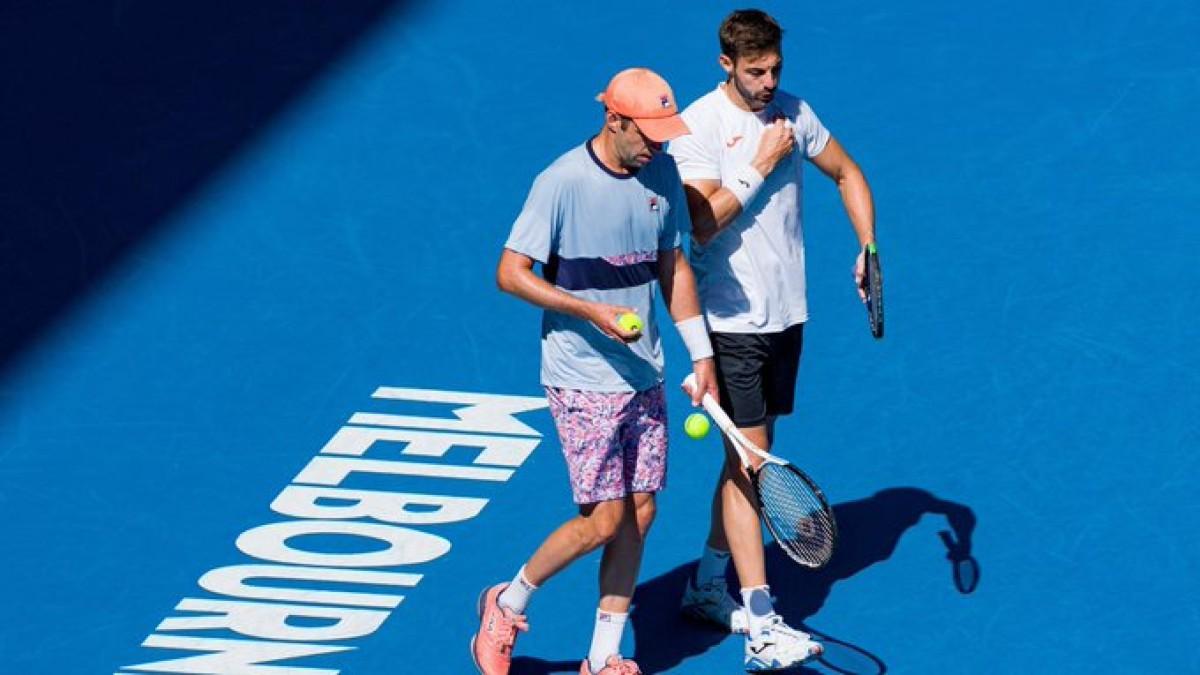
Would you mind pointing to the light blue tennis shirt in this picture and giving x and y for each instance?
(601, 236)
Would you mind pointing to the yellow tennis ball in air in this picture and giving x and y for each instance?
(696, 425)
(630, 322)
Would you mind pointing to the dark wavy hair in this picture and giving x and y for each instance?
(747, 32)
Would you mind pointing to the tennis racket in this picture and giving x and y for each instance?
(873, 281)
(791, 505)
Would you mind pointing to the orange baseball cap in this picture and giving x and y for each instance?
(642, 95)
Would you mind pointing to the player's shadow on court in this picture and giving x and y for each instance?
(869, 530)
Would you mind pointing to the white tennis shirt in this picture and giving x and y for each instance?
(751, 275)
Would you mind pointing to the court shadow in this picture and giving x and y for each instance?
(116, 112)
(843, 657)
(528, 665)
(868, 533)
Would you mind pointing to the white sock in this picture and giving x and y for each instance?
(757, 601)
(713, 563)
(606, 638)
(516, 596)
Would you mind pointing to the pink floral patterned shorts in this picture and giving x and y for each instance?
(615, 443)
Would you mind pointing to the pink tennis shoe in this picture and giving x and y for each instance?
(492, 646)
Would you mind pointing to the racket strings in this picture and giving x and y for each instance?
(798, 517)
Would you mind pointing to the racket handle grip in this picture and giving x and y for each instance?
(689, 383)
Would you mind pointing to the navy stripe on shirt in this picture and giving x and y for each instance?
(581, 274)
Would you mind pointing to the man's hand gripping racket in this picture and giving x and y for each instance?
(790, 504)
(872, 289)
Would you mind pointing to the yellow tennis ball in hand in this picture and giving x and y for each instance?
(630, 322)
(696, 425)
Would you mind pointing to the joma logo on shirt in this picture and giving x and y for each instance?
(733, 141)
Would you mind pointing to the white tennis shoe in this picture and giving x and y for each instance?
(712, 602)
(779, 646)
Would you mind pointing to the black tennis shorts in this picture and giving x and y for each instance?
(756, 373)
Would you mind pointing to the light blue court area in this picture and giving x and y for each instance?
(248, 259)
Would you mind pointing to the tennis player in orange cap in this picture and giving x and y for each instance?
(605, 222)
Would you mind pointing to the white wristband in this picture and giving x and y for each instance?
(744, 183)
(694, 332)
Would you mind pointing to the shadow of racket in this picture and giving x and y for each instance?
(845, 658)
(963, 566)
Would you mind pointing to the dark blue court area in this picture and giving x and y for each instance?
(248, 255)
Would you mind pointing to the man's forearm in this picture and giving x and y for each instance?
(712, 209)
(684, 306)
(535, 290)
(860, 207)
(680, 291)
(723, 208)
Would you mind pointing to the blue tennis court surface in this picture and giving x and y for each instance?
(254, 278)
